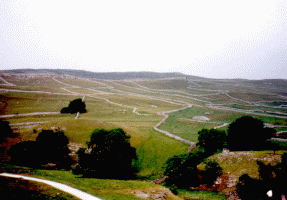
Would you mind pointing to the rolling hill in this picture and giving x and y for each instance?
(137, 102)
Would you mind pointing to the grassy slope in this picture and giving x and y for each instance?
(153, 148)
(181, 123)
(106, 189)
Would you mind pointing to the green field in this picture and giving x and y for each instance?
(134, 105)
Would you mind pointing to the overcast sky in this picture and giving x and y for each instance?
(209, 38)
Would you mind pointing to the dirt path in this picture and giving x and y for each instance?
(6, 82)
(28, 123)
(143, 88)
(68, 189)
(40, 92)
(27, 114)
(220, 126)
(73, 86)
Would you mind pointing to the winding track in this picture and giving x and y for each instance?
(28, 114)
(192, 144)
(143, 88)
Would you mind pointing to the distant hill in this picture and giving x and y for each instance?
(106, 75)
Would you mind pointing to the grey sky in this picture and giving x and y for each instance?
(216, 39)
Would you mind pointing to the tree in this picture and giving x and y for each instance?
(52, 146)
(25, 153)
(246, 133)
(6, 139)
(250, 188)
(182, 171)
(5, 131)
(109, 155)
(212, 140)
(77, 105)
(49, 147)
(212, 172)
(65, 110)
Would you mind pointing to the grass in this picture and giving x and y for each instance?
(201, 195)
(253, 97)
(33, 102)
(106, 111)
(170, 84)
(180, 123)
(152, 154)
(85, 83)
(105, 189)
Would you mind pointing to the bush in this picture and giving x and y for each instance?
(6, 139)
(110, 155)
(52, 146)
(247, 133)
(5, 131)
(77, 105)
(65, 110)
(212, 140)
(250, 188)
(49, 147)
(212, 172)
(182, 170)
(25, 154)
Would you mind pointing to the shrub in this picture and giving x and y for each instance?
(5, 131)
(212, 140)
(49, 147)
(65, 110)
(247, 133)
(266, 172)
(25, 153)
(182, 170)
(77, 105)
(110, 155)
(249, 188)
(212, 172)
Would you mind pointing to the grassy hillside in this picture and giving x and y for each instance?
(31, 100)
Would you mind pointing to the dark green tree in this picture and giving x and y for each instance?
(49, 147)
(212, 172)
(25, 153)
(5, 131)
(6, 139)
(77, 105)
(212, 140)
(269, 133)
(110, 156)
(53, 146)
(250, 188)
(246, 133)
(65, 110)
(182, 171)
